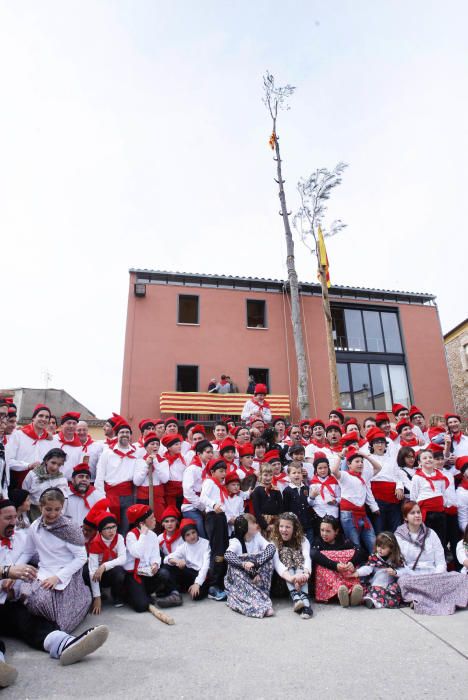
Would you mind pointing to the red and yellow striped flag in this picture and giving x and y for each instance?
(322, 255)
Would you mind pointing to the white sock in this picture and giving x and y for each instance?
(55, 641)
(2, 657)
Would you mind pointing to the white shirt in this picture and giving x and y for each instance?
(160, 472)
(353, 490)
(421, 489)
(192, 486)
(390, 470)
(93, 451)
(432, 559)
(176, 469)
(460, 449)
(163, 547)
(254, 546)
(113, 469)
(36, 488)
(76, 508)
(211, 495)
(280, 567)
(322, 504)
(196, 556)
(234, 506)
(462, 505)
(56, 557)
(21, 450)
(146, 549)
(462, 555)
(250, 408)
(94, 562)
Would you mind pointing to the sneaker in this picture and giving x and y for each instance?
(8, 674)
(343, 596)
(170, 601)
(368, 602)
(298, 604)
(79, 647)
(215, 593)
(306, 613)
(356, 595)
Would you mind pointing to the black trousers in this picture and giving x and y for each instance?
(453, 536)
(16, 621)
(183, 579)
(113, 579)
(438, 522)
(217, 531)
(138, 594)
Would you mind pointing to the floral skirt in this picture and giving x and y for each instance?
(327, 581)
(244, 595)
(389, 597)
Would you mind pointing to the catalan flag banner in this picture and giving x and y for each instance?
(323, 257)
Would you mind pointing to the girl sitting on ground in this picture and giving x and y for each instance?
(381, 571)
(292, 561)
(250, 568)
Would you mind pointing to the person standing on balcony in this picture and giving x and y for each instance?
(223, 386)
(258, 406)
(212, 386)
(251, 385)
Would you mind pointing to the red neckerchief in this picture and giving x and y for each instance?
(169, 539)
(280, 478)
(325, 484)
(223, 492)
(319, 443)
(456, 437)
(99, 546)
(110, 442)
(172, 458)
(129, 454)
(137, 534)
(435, 476)
(265, 404)
(197, 461)
(4, 439)
(393, 435)
(84, 496)
(72, 443)
(412, 442)
(247, 472)
(336, 449)
(5, 542)
(89, 441)
(31, 433)
(357, 476)
(289, 442)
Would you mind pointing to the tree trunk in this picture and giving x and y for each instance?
(296, 319)
(335, 391)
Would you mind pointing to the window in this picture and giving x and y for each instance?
(260, 375)
(370, 360)
(256, 313)
(188, 309)
(187, 377)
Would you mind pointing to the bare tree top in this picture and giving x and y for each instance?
(275, 97)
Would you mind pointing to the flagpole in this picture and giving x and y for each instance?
(324, 278)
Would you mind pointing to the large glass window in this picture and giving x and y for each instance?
(391, 332)
(382, 396)
(343, 383)
(361, 386)
(371, 386)
(373, 328)
(399, 384)
(354, 330)
(366, 330)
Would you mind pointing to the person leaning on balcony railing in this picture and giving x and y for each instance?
(258, 406)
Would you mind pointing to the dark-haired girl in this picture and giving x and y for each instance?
(250, 568)
(59, 593)
(381, 588)
(406, 460)
(48, 474)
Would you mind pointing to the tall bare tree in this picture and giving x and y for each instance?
(315, 192)
(276, 98)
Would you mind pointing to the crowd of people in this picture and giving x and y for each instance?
(325, 509)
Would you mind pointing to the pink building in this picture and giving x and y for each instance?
(183, 329)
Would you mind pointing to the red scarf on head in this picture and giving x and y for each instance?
(84, 496)
(173, 458)
(137, 534)
(129, 454)
(31, 433)
(89, 441)
(327, 483)
(223, 492)
(99, 546)
(72, 443)
(169, 539)
(5, 542)
(412, 442)
(435, 476)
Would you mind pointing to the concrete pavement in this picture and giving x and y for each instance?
(214, 652)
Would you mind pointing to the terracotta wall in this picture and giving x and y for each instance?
(155, 344)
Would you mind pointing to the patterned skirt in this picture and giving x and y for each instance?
(327, 581)
(435, 594)
(389, 597)
(246, 596)
(67, 608)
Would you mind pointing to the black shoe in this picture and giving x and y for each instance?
(79, 647)
(172, 600)
(306, 613)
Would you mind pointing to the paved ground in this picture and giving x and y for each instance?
(213, 652)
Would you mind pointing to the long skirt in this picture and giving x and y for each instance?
(243, 595)
(328, 581)
(435, 594)
(67, 608)
(389, 597)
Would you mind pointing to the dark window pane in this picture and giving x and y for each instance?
(391, 332)
(260, 375)
(361, 386)
(399, 382)
(354, 330)
(343, 383)
(188, 309)
(187, 378)
(339, 329)
(373, 331)
(381, 387)
(256, 314)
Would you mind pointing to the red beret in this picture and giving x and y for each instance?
(171, 419)
(334, 425)
(351, 453)
(403, 423)
(272, 456)
(170, 512)
(317, 421)
(197, 428)
(41, 407)
(232, 476)
(452, 415)
(70, 415)
(168, 440)
(246, 450)
(397, 407)
(338, 412)
(320, 457)
(227, 444)
(260, 389)
(151, 437)
(82, 468)
(375, 434)
(348, 438)
(415, 411)
(381, 417)
(461, 462)
(138, 512)
(92, 516)
(145, 423)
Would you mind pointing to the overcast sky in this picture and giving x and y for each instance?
(132, 134)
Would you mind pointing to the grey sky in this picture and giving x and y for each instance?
(133, 134)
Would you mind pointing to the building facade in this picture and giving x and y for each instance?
(456, 347)
(185, 329)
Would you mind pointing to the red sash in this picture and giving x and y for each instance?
(358, 512)
(107, 551)
(434, 505)
(84, 496)
(384, 491)
(143, 492)
(113, 493)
